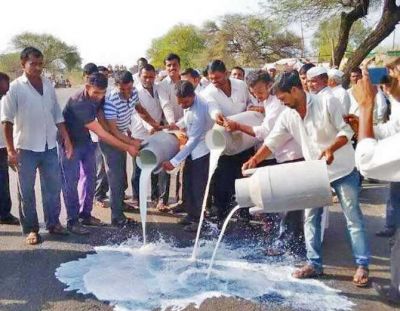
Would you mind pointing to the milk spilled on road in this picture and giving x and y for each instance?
(226, 222)
(160, 275)
(145, 177)
(215, 153)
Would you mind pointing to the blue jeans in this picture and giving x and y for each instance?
(347, 190)
(393, 206)
(83, 157)
(50, 185)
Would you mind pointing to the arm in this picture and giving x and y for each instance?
(8, 113)
(113, 129)
(65, 139)
(143, 113)
(96, 128)
(233, 126)
(8, 135)
(262, 153)
(339, 142)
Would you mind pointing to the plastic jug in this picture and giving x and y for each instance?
(286, 187)
(158, 148)
(234, 142)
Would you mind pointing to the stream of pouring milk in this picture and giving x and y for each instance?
(144, 182)
(215, 153)
(226, 222)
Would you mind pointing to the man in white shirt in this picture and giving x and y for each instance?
(319, 128)
(380, 102)
(6, 218)
(196, 122)
(380, 159)
(141, 62)
(238, 73)
(30, 110)
(291, 224)
(193, 76)
(228, 97)
(335, 83)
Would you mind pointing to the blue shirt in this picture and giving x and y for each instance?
(119, 109)
(197, 122)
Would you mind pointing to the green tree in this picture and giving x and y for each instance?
(349, 12)
(10, 64)
(249, 40)
(184, 40)
(56, 53)
(328, 34)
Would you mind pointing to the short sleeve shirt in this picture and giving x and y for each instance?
(78, 112)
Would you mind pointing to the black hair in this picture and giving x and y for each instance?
(205, 72)
(356, 70)
(385, 80)
(171, 57)
(239, 68)
(258, 76)
(124, 77)
(191, 72)
(306, 67)
(4, 77)
(102, 68)
(97, 79)
(184, 89)
(286, 81)
(89, 69)
(216, 65)
(147, 67)
(142, 60)
(30, 50)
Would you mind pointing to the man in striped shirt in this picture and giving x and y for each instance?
(118, 109)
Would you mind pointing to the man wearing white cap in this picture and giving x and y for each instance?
(335, 83)
(271, 68)
(318, 84)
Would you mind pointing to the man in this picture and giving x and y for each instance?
(380, 102)
(30, 110)
(118, 110)
(80, 116)
(335, 77)
(260, 84)
(140, 63)
(6, 218)
(149, 99)
(196, 122)
(321, 132)
(303, 75)
(271, 69)
(172, 112)
(193, 76)
(238, 73)
(229, 96)
(380, 159)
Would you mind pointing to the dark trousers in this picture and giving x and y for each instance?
(102, 186)
(228, 170)
(195, 175)
(393, 206)
(5, 198)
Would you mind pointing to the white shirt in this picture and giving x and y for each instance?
(380, 106)
(138, 129)
(150, 103)
(169, 104)
(290, 150)
(341, 94)
(379, 159)
(228, 106)
(321, 125)
(196, 121)
(34, 116)
(2, 138)
(136, 79)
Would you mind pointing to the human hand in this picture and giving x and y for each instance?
(231, 125)
(13, 159)
(259, 109)
(167, 165)
(132, 150)
(328, 155)
(364, 91)
(219, 119)
(251, 163)
(68, 148)
(353, 121)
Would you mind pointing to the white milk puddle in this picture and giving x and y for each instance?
(215, 153)
(144, 182)
(131, 276)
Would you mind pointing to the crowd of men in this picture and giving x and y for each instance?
(81, 150)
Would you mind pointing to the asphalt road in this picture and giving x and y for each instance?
(27, 280)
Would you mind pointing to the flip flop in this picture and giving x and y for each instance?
(363, 273)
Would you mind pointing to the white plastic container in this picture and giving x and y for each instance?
(286, 187)
(236, 142)
(158, 148)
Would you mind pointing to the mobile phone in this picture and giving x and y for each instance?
(376, 74)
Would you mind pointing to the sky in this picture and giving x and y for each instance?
(116, 31)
